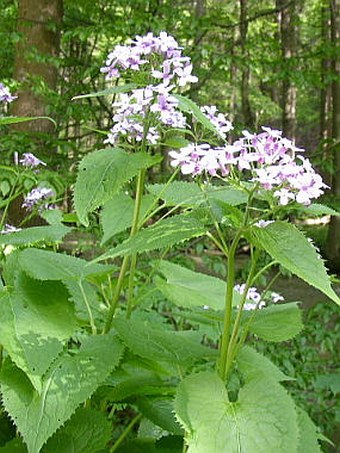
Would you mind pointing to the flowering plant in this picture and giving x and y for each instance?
(173, 348)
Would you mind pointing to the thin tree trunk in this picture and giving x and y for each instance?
(326, 87)
(39, 26)
(288, 17)
(247, 113)
(333, 239)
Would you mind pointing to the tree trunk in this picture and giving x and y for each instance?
(39, 26)
(326, 87)
(247, 113)
(333, 239)
(288, 17)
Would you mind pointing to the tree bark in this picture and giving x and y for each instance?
(333, 239)
(287, 18)
(326, 86)
(39, 26)
(247, 113)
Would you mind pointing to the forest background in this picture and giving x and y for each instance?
(274, 63)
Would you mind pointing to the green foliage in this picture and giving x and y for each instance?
(160, 411)
(102, 174)
(186, 288)
(262, 419)
(188, 194)
(34, 235)
(287, 245)
(117, 214)
(16, 119)
(45, 265)
(70, 380)
(308, 434)
(145, 340)
(108, 91)
(165, 233)
(277, 322)
(253, 365)
(37, 319)
(87, 431)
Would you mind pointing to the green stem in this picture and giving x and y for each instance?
(93, 326)
(131, 286)
(235, 332)
(10, 197)
(127, 430)
(222, 361)
(134, 229)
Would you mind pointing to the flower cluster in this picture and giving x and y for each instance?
(5, 96)
(222, 125)
(270, 159)
(36, 196)
(254, 298)
(167, 70)
(29, 160)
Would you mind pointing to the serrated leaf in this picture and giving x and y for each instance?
(101, 175)
(263, 419)
(160, 411)
(147, 341)
(165, 233)
(254, 365)
(88, 431)
(92, 297)
(108, 91)
(69, 382)
(277, 322)
(308, 434)
(33, 235)
(287, 245)
(117, 214)
(187, 105)
(189, 194)
(319, 209)
(46, 265)
(36, 320)
(187, 288)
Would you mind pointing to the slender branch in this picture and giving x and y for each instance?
(93, 326)
(127, 430)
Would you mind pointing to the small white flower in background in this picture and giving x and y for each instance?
(263, 223)
(276, 297)
(30, 160)
(35, 196)
(9, 229)
(5, 96)
(253, 297)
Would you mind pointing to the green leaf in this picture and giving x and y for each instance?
(308, 434)
(117, 214)
(68, 383)
(14, 446)
(102, 174)
(36, 320)
(186, 288)
(109, 91)
(165, 233)
(34, 235)
(254, 365)
(46, 265)
(95, 303)
(160, 411)
(187, 105)
(286, 244)
(147, 341)
(176, 142)
(278, 322)
(88, 431)
(263, 419)
(317, 209)
(188, 194)
(23, 119)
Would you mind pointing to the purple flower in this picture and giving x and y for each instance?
(253, 297)
(30, 160)
(35, 196)
(217, 119)
(5, 96)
